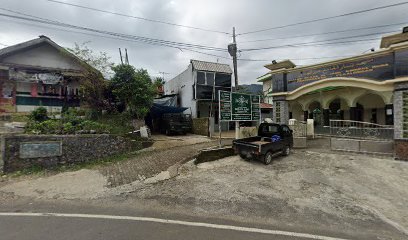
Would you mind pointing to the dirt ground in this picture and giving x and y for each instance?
(338, 189)
(313, 187)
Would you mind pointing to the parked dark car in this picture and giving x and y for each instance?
(272, 140)
(176, 123)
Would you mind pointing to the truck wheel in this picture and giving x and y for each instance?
(286, 151)
(268, 158)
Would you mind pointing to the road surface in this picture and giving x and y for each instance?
(42, 226)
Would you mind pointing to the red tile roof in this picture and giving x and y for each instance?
(266, 105)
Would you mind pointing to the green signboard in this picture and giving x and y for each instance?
(239, 107)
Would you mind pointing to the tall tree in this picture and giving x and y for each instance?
(99, 60)
(134, 88)
(94, 88)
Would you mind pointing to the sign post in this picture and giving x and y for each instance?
(235, 106)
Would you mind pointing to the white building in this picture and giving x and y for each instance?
(197, 87)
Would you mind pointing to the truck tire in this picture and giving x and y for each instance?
(268, 158)
(286, 151)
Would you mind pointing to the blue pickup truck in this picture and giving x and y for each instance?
(272, 140)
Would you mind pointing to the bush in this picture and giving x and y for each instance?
(71, 116)
(45, 127)
(92, 114)
(70, 123)
(39, 115)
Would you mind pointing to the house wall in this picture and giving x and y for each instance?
(183, 85)
(43, 56)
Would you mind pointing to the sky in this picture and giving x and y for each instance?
(218, 15)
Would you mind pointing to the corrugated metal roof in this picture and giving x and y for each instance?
(211, 66)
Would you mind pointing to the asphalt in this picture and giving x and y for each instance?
(44, 228)
(60, 227)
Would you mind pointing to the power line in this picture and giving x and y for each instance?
(110, 37)
(53, 22)
(135, 17)
(313, 43)
(146, 40)
(325, 33)
(326, 18)
(297, 59)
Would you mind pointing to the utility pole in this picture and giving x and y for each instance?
(127, 58)
(120, 54)
(233, 49)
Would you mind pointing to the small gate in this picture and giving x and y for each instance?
(299, 129)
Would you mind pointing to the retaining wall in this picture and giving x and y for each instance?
(24, 151)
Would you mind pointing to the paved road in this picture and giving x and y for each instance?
(23, 226)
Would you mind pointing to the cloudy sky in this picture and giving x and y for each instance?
(217, 15)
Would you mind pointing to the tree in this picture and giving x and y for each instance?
(100, 61)
(134, 88)
(94, 88)
(158, 82)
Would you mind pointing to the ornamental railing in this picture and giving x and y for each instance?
(360, 130)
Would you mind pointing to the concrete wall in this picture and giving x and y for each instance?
(201, 126)
(43, 56)
(24, 151)
(183, 86)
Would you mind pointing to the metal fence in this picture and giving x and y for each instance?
(360, 130)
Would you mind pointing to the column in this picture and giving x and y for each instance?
(326, 117)
(280, 110)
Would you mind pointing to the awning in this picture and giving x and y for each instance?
(158, 110)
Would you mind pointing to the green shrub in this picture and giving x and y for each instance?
(68, 128)
(45, 127)
(92, 114)
(57, 127)
(39, 115)
(70, 123)
(71, 116)
(93, 127)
